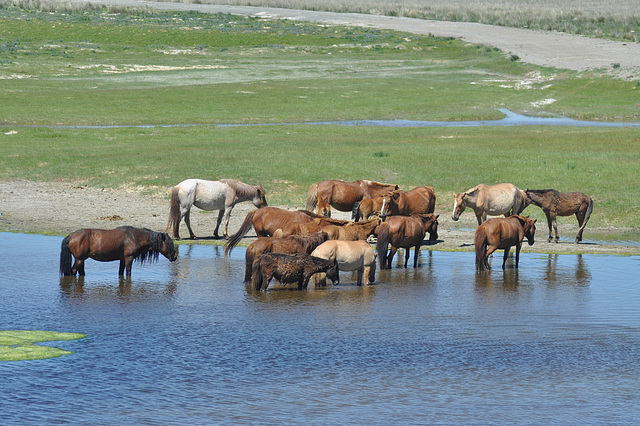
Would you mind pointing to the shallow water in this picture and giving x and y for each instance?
(557, 341)
(510, 119)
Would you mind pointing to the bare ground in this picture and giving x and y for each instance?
(59, 208)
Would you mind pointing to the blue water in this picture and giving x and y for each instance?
(510, 119)
(557, 341)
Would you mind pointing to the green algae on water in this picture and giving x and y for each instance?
(18, 345)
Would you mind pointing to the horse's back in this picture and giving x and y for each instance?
(350, 255)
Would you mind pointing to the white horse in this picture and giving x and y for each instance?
(221, 195)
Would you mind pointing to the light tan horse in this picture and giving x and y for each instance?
(209, 195)
(405, 232)
(494, 200)
(502, 233)
(342, 195)
(351, 256)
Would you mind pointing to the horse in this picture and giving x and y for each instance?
(554, 203)
(125, 244)
(208, 195)
(367, 207)
(494, 200)
(502, 233)
(267, 220)
(353, 231)
(351, 256)
(318, 224)
(405, 232)
(290, 268)
(289, 245)
(419, 200)
(342, 195)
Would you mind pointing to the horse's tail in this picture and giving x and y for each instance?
(235, 238)
(355, 212)
(174, 212)
(382, 244)
(312, 197)
(256, 275)
(587, 215)
(481, 247)
(65, 257)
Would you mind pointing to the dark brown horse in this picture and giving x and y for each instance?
(554, 204)
(267, 220)
(290, 268)
(125, 244)
(405, 232)
(419, 200)
(342, 195)
(289, 245)
(502, 233)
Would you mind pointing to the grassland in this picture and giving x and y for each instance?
(106, 67)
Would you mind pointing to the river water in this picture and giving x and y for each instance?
(557, 341)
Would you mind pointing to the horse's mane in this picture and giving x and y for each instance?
(472, 190)
(242, 189)
(542, 191)
(153, 253)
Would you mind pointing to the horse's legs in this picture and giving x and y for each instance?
(555, 227)
(360, 274)
(481, 218)
(416, 253)
(227, 215)
(506, 256)
(406, 256)
(78, 267)
(187, 221)
(121, 268)
(550, 225)
(392, 252)
(220, 216)
(518, 246)
(490, 250)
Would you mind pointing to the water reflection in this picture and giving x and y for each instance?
(556, 274)
(507, 280)
(124, 288)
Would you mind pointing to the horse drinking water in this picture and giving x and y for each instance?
(494, 200)
(220, 195)
(125, 244)
(554, 203)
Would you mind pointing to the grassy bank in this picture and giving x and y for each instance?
(95, 67)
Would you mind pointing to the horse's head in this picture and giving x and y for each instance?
(167, 248)
(333, 273)
(529, 226)
(430, 225)
(388, 200)
(260, 199)
(458, 205)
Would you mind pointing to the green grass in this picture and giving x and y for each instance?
(18, 345)
(93, 67)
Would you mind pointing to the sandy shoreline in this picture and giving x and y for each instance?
(58, 208)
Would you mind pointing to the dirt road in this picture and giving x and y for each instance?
(549, 49)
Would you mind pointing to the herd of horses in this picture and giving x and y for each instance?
(296, 246)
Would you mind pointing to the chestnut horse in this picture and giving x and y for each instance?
(368, 207)
(290, 245)
(290, 268)
(125, 244)
(405, 232)
(419, 200)
(268, 220)
(494, 200)
(502, 233)
(342, 195)
(351, 256)
(220, 195)
(554, 203)
(353, 231)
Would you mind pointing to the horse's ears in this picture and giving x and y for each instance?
(535, 220)
(437, 216)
